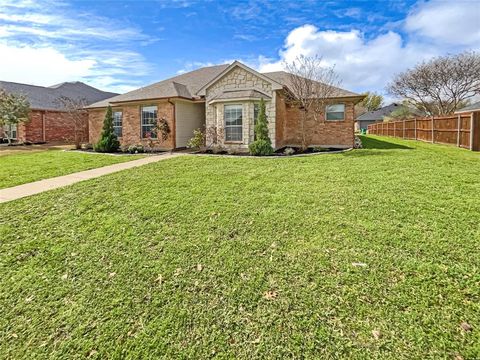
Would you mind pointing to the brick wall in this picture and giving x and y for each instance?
(131, 124)
(52, 126)
(319, 132)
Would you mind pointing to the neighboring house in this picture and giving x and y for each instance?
(470, 108)
(223, 100)
(49, 121)
(372, 117)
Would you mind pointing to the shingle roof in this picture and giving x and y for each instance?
(379, 114)
(469, 108)
(47, 98)
(283, 77)
(188, 85)
(184, 85)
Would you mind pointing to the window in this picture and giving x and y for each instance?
(233, 122)
(149, 122)
(11, 131)
(336, 112)
(117, 123)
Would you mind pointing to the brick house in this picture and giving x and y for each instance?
(48, 120)
(224, 98)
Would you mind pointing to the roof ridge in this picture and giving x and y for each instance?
(25, 84)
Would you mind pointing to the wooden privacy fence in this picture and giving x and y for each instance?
(462, 130)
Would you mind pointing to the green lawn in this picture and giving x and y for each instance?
(373, 253)
(24, 167)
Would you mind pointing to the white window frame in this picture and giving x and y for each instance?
(9, 129)
(332, 105)
(118, 128)
(232, 126)
(144, 125)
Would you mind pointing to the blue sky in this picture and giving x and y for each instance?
(121, 45)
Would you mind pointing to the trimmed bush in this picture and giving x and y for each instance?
(198, 139)
(261, 148)
(108, 141)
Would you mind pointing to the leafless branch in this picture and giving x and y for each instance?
(311, 86)
(442, 85)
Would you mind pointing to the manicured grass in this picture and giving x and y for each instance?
(373, 253)
(25, 167)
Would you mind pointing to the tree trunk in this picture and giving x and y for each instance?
(304, 135)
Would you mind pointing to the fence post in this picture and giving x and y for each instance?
(475, 131)
(403, 130)
(459, 124)
(394, 128)
(433, 131)
(415, 128)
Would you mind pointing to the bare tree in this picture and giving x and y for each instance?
(311, 86)
(214, 136)
(78, 114)
(440, 86)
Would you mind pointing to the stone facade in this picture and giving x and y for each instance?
(52, 126)
(320, 132)
(239, 79)
(131, 124)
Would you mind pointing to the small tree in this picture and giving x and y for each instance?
(214, 136)
(108, 141)
(79, 116)
(262, 144)
(159, 133)
(14, 109)
(311, 85)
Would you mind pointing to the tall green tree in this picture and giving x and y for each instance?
(261, 126)
(14, 109)
(108, 141)
(262, 144)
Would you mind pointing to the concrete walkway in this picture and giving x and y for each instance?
(40, 186)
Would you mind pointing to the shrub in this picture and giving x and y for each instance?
(108, 141)
(136, 149)
(87, 146)
(261, 148)
(198, 139)
(357, 143)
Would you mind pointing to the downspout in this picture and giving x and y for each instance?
(43, 126)
(174, 123)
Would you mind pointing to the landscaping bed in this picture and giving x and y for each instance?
(283, 152)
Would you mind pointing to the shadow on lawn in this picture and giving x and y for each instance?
(370, 143)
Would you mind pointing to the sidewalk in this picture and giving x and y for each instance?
(40, 186)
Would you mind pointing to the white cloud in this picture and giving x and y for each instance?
(40, 66)
(450, 22)
(44, 43)
(363, 63)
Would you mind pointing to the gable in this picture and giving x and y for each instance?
(238, 79)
